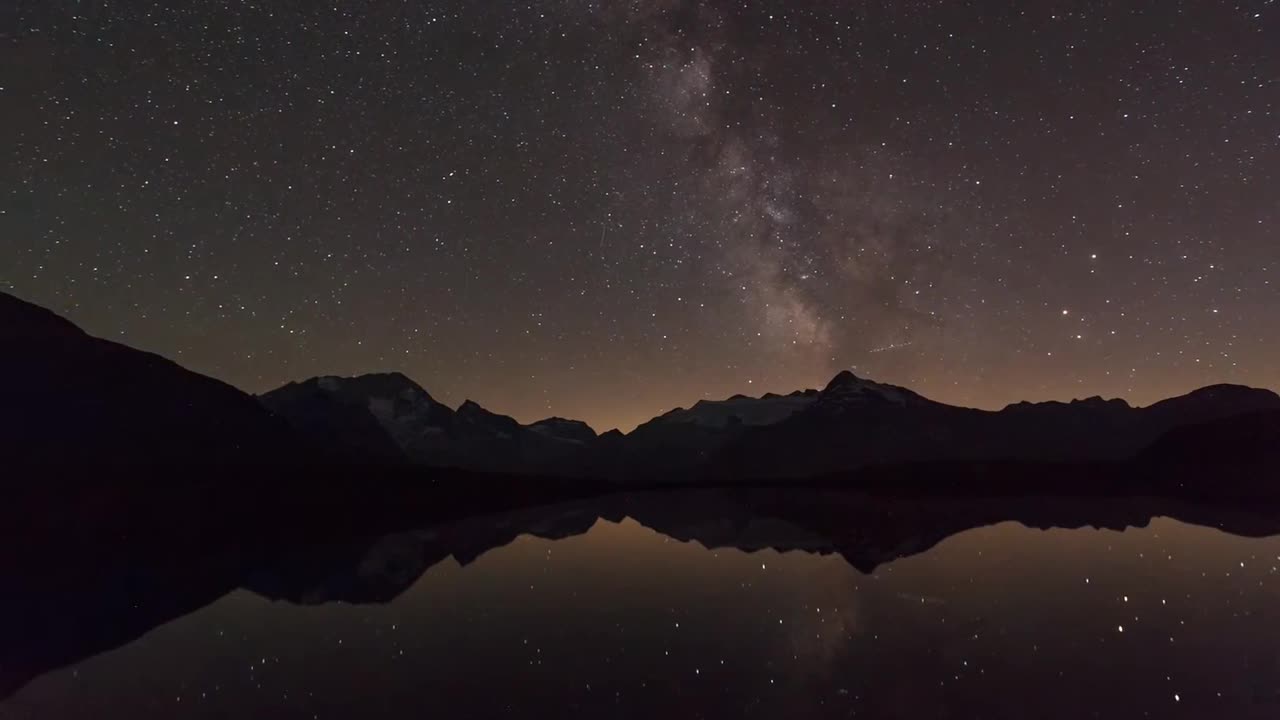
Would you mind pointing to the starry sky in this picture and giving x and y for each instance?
(604, 209)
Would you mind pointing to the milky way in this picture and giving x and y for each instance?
(606, 209)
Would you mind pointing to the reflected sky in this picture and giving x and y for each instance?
(1170, 620)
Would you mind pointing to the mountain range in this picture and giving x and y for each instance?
(73, 398)
(390, 417)
(852, 423)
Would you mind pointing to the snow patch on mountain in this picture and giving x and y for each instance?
(556, 428)
(754, 412)
(847, 391)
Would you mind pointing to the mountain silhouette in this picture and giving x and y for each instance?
(1250, 440)
(559, 428)
(385, 416)
(76, 399)
(855, 423)
(72, 399)
(391, 417)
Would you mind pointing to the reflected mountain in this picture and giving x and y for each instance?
(73, 595)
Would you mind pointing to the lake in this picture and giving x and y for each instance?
(698, 605)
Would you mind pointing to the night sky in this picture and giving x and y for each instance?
(602, 209)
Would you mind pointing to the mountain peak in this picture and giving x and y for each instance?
(846, 389)
(471, 406)
(472, 410)
(1230, 390)
(370, 385)
(557, 420)
(476, 419)
(738, 410)
(564, 429)
(843, 378)
(1097, 401)
(1235, 397)
(382, 414)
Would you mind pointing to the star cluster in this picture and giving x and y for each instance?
(603, 209)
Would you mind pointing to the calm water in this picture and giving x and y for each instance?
(1167, 620)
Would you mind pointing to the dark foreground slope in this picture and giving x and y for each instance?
(71, 399)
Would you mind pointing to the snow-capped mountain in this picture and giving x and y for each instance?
(557, 428)
(741, 409)
(851, 423)
(856, 423)
(386, 415)
(849, 393)
(390, 416)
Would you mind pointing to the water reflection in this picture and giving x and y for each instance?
(708, 604)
